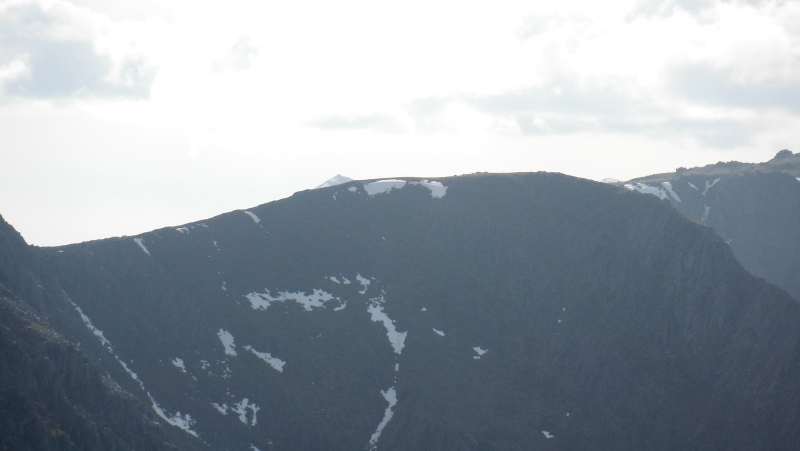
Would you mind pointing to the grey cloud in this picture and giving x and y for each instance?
(63, 68)
(703, 84)
(564, 107)
(374, 121)
(564, 96)
(239, 57)
(721, 134)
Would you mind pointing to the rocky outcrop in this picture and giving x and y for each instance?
(755, 208)
(52, 397)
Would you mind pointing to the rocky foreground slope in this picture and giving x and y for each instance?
(754, 207)
(483, 312)
(52, 396)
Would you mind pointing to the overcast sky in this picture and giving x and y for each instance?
(118, 117)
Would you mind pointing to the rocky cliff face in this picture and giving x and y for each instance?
(484, 312)
(52, 396)
(755, 208)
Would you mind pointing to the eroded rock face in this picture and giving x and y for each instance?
(52, 396)
(755, 208)
(522, 311)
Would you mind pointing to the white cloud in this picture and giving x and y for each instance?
(255, 100)
(238, 58)
(51, 50)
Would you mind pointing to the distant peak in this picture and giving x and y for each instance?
(338, 180)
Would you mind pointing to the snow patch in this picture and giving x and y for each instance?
(364, 282)
(704, 218)
(709, 186)
(178, 362)
(221, 408)
(346, 281)
(547, 434)
(397, 339)
(341, 307)
(253, 215)
(227, 341)
(382, 186)
(480, 351)
(262, 301)
(437, 189)
(668, 187)
(334, 279)
(647, 189)
(692, 185)
(141, 245)
(267, 357)
(184, 422)
(352, 189)
(390, 396)
(241, 408)
(183, 229)
(223, 287)
(423, 309)
(438, 332)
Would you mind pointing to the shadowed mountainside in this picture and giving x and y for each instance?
(754, 207)
(52, 396)
(505, 312)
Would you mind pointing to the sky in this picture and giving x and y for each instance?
(120, 117)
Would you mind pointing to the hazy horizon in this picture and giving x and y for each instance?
(117, 118)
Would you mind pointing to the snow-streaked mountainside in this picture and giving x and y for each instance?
(481, 312)
(755, 208)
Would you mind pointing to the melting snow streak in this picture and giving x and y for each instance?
(397, 339)
(267, 357)
(178, 362)
(364, 282)
(390, 396)
(709, 185)
(241, 408)
(436, 188)
(668, 187)
(253, 215)
(141, 244)
(184, 422)
(382, 186)
(261, 301)
(227, 341)
(646, 189)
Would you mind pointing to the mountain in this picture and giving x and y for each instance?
(481, 312)
(754, 207)
(52, 396)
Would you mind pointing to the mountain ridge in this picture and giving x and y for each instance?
(544, 258)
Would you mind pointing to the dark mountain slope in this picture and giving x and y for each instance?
(52, 397)
(754, 207)
(525, 311)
